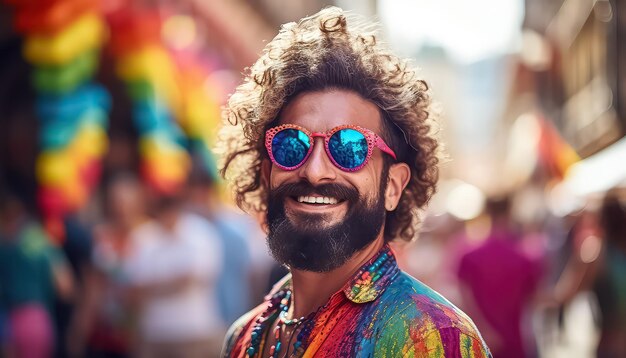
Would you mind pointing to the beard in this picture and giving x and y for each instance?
(315, 243)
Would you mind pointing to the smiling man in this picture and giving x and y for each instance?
(329, 135)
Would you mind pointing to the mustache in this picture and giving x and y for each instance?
(303, 188)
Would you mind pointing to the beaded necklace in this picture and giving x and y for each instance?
(279, 306)
(365, 286)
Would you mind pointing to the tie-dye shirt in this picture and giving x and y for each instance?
(380, 312)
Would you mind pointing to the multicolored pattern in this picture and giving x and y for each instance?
(380, 312)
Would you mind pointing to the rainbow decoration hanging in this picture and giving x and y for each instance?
(555, 154)
(175, 107)
(150, 76)
(201, 87)
(175, 111)
(62, 41)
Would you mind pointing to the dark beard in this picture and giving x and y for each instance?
(311, 244)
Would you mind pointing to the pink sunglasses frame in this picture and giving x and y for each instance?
(373, 140)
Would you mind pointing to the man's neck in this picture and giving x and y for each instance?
(313, 289)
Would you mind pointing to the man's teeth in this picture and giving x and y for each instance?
(317, 200)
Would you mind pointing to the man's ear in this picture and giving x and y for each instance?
(266, 170)
(399, 176)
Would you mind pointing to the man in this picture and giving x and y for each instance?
(173, 262)
(330, 138)
(245, 264)
(499, 284)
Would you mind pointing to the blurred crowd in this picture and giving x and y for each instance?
(165, 275)
(155, 276)
(536, 284)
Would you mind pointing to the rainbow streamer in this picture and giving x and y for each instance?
(62, 42)
(150, 76)
(175, 109)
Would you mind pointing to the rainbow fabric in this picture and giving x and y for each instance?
(380, 312)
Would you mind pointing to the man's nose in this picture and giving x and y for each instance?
(318, 168)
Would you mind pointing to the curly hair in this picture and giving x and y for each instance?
(331, 50)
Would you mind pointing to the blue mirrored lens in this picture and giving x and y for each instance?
(290, 147)
(348, 147)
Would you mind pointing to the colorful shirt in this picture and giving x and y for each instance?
(380, 312)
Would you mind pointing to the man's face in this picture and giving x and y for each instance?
(322, 236)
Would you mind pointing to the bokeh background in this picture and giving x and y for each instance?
(114, 223)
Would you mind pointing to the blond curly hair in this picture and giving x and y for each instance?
(331, 50)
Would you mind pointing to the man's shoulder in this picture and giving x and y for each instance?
(411, 319)
(239, 327)
(416, 310)
(194, 225)
(234, 338)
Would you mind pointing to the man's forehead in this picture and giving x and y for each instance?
(324, 110)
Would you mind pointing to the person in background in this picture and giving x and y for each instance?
(245, 263)
(32, 272)
(4, 332)
(102, 325)
(175, 259)
(434, 260)
(610, 283)
(571, 306)
(76, 247)
(499, 282)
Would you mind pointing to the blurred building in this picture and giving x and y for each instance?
(574, 61)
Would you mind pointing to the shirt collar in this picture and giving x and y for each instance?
(371, 280)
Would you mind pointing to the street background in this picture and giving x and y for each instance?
(109, 111)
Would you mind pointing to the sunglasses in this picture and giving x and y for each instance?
(348, 147)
